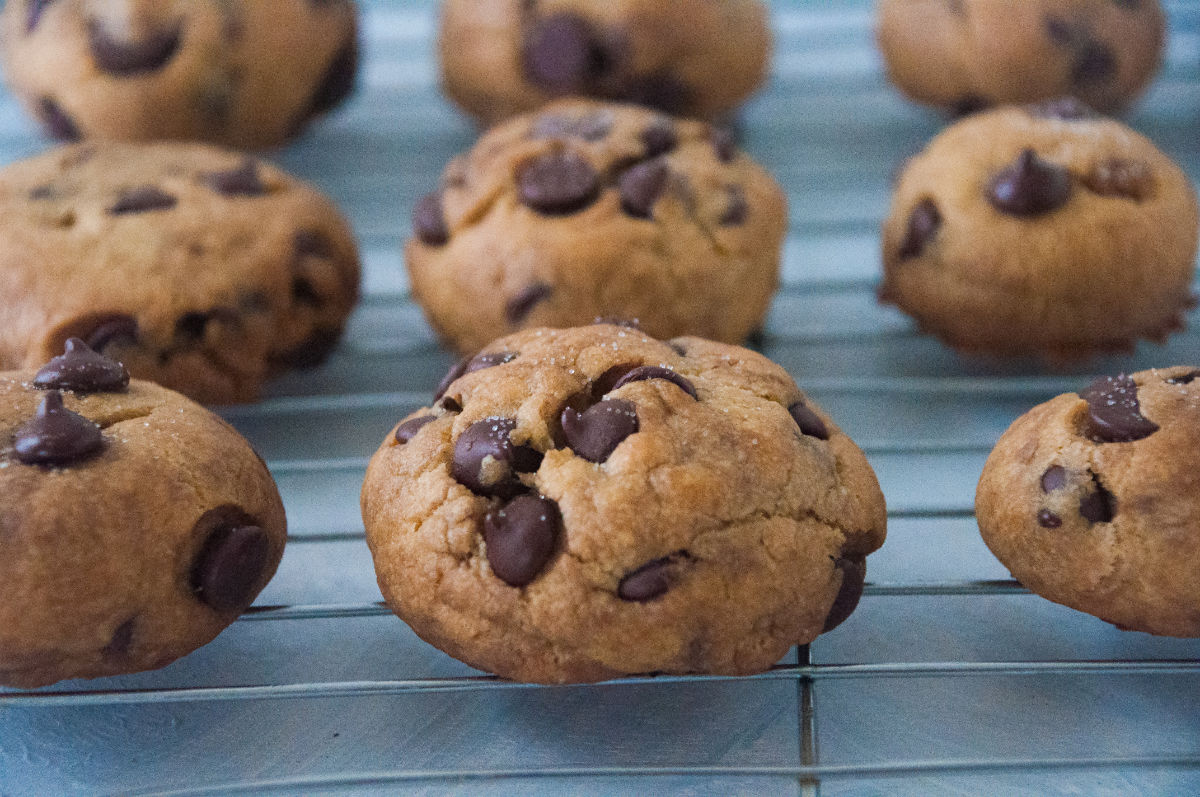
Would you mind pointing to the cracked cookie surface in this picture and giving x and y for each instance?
(203, 270)
(587, 503)
(695, 58)
(1043, 230)
(136, 524)
(1092, 500)
(963, 55)
(588, 210)
(244, 73)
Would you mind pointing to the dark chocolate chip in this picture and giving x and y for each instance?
(736, 208)
(659, 138)
(490, 360)
(56, 121)
(485, 460)
(641, 186)
(923, 225)
(1067, 109)
(120, 641)
(557, 183)
(125, 58)
(1055, 478)
(1030, 186)
(594, 433)
(651, 580)
(230, 566)
(408, 430)
(119, 331)
(304, 292)
(1095, 63)
(1118, 177)
(643, 372)
(142, 199)
(242, 180)
(456, 370)
(604, 383)
(661, 90)
(1183, 379)
(83, 370)
(520, 306)
(190, 327)
(34, 15)
(1114, 415)
(56, 436)
(1048, 520)
(449, 404)
(520, 538)
(310, 352)
(1098, 506)
(560, 54)
(338, 82)
(312, 243)
(43, 192)
(1059, 30)
(724, 144)
(854, 577)
(808, 421)
(429, 220)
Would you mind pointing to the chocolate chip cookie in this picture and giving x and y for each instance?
(135, 524)
(963, 55)
(1042, 230)
(589, 210)
(1093, 500)
(697, 58)
(246, 74)
(203, 270)
(580, 504)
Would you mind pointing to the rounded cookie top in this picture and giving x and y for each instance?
(586, 503)
(1093, 500)
(136, 524)
(1041, 230)
(588, 209)
(968, 54)
(200, 269)
(246, 74)
(697, 58)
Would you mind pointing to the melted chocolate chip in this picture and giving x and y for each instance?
(724, 144)
(116, 331)
(408, 430)
(456, 370)
(736, 208)
(1055, 478)
(659, 138)
(34, 15)
(242, 180)
(1114, 415)
(557, 183)
(518, 308)
(56, 121)
(520, 538)
(1067, 109)
(486, 462)
(120, 641)
(641, 186)
(1098, 506)
(643, 372)
(923, 225)
(1183, 379)
(429, 220)
(338, 81)
(126, 58)
(808, 421)
(854, 577)
(1094, 63)
(560, 54)
(651, 580)
(1030, 186)
(596, 432)
(56, 436)
(230, 566)
(81, 369)
(141, 200)
(490, 360)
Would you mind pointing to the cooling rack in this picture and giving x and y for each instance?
(949, 679)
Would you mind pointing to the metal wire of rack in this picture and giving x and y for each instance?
(949, 679)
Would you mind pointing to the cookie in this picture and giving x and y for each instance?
(1093, 500)
(247, 74)
(589, 210)
(136, 524)
(587, 503)
(695, 58)
(203, 270)
(1041, 230)
(963, 55)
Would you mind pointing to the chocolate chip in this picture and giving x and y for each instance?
(142, 199)
(119, 330)
(967, 105)
(1030, 187)
(125, 58)
(429, 220)
(1055, 478)
(589, 127)
(449, 404)
(242, 180)
(310, 352)
(1059, 30)
(1067, 109)
(1118, 177)
(518, 308)
(229, 567)
(56, 121)
(312, 243)
(1114, 415)
(1048, 520)
(304, 292)
(485, 460)
(490, 360)
(1098, 506)
(641, 186)
(643, 372)
(854, 577)
(735, 207)
(808, 421)
(594, 433)
(923, 225)
(557, 183)
(661, 90)
(724, 144)
(560, 54)
(651, 580)
(81, 369)
(190, 327)
(338, 81)
(520, 538)
(120, 641)
(456, 370)
(1183, 379)
(408, 430)
(34, 15)
(56, 436)
(659, 138)
(1094, 63)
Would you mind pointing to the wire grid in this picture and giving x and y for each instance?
(949, 679)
